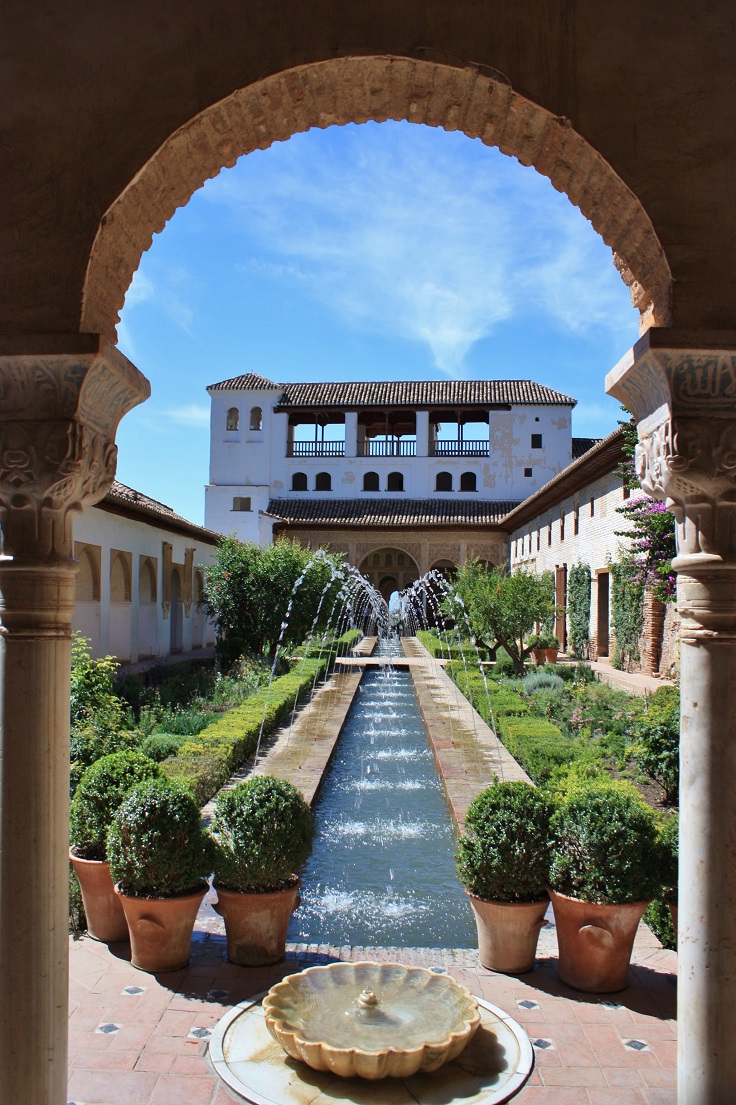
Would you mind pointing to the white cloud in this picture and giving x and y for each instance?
(421, 235)
(166, 286)
(193, 414)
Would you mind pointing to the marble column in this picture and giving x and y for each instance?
(681, 388)
(61, 399)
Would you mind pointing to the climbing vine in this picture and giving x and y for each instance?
(627, 610)
(578, 608)
(652, 527)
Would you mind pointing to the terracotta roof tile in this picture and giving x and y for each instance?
(249, 382)
(407, 393)
(126, 500)
(390, 512)
(581, 445)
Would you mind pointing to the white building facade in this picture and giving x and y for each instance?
(430, 455)
(140, 578)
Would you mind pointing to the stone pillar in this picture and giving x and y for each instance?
(351, 433)
(422, 433)
(681, 388)
(61, 400)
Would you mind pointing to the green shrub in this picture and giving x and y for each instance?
(538, 680)
(578, 608)
(657, 915)
(543, 641)
(262, 832)
(504, 854)
(101, 790)
(88, 745)
(537, 744)
(333, 646)
(670, 841)
(657, 741)
(206, 761)
(504, 663)
(159, 746)
(606, 845)
(156, 845)
(77, 916)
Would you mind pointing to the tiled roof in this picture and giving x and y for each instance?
(249, 382)
(581, 445)
(407, 393)
(390, 512)
(122, 499)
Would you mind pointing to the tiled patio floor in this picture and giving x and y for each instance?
(138, 1039)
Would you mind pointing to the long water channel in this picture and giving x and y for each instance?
(382, 869)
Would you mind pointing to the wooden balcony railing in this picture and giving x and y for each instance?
(316, 449)
(387, 448)
(459, 449)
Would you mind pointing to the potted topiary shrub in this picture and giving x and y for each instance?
(503, 861)
(101, 789)
(606, 867)
(160, 857)
(545, 648)
(262, 832)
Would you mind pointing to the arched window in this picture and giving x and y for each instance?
(256, 418)
(87, 580)
(323, 482)
(389, 560)
(400, 560)
(468, 482)
(376, 558)
(395, 481)
(299, 481)
(443, 481)
(233, 418)
(371, 482)
(147, 581)
(119, 578)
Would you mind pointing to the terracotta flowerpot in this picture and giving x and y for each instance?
(256, 924)
(508, 933)
(105, 917)
(161, 930)
(550, 655)
(595, 942)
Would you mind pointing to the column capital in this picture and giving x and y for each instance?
(681, 388)
(61, 399)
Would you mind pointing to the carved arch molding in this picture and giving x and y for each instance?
(477, 101)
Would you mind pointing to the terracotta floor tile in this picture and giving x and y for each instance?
(159, 1062)
(623, 1076)
(174, 1023)
(173, 1089)
(573, 1076)
(661, 1097)
(553, 1095)
(105, 1060)
(190, 1064)
(660, 1077)
(125, 1088)
(624, 1095)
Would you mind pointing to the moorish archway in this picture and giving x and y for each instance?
(467, 98)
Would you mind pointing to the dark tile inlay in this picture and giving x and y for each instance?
(200, 1033)
(217, 995)
(107, 1028)
(527, 1004)
(134, 990)
(543, 1044)
(636, 1045)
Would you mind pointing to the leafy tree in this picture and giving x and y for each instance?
(657, 741)
(503, 609)
(248, 590)
(93, 701)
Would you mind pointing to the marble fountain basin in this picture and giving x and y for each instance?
(371, 1020)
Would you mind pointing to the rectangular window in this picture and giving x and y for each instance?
(576, 520)
(562, 525)
(549, 530)
(592, 508)
(527, 472)
(240, 503)
(626, 490)
(539, 538)
(536, 441)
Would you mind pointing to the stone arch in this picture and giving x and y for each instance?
(147, 585)
(88, 574)
(120, 577)
(479, 102)
(233, 419)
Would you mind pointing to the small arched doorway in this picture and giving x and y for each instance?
(389, 563)
(175, 613)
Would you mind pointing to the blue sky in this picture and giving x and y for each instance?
(381, 251)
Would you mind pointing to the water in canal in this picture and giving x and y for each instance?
(382, 869)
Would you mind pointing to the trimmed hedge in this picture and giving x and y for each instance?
(441, 650)
(339, 646)
(538, 745)
(205, 763)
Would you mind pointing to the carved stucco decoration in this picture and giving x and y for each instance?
(684, 401)
(57, 442)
